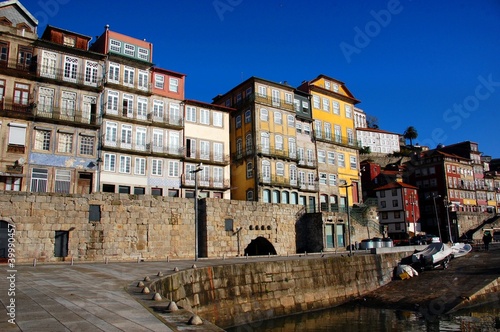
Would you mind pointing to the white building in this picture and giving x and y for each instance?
(379, 141)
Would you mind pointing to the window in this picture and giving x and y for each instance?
(63, 181)
(322, 178)
(239, 147)
(217, 119)
(298, 127)
(262, 91)
(384, 215)
(336, 107)
(335, 87)
(140, 166)
(250, 195)
(114, 72)
(21, 94)
(280, 169)
(277, 118)
(383, 204)
(91, 72)
(204, 150)
(42, 139)
(49, 61)
(140, 138)
(248, 116)
(292, 148)
(173, 168)
(338, 134)
(157, 165)
(331, 158)
(238, 121)
(125, 164)
(142, 108)
(264, 114)
(87, 145)
(218, 151)
(348, 111)
(293, 175)
(205, 116)
(126, 135)
(249, 170)
(143, 54)
(341, 160)
(12, 184)
(45, 101)
(321, 156)
(288, 98)
(328, 130)
(39, 177)
(111, 133)
(350, 136)
(65, 144)
(4, 53)
(174, 111)
(129, 50)
(128, 76)
(291, 121)
(310, 156)
(266, 171)
(157, 140)
(158, 109)
(353, 162)
(307, 129)
(278, 141)
(191, 114)
(68, 105)
(112, 104)
(327, 85)
(317, 128)
(173, 84)
(397, 214)
(395, 203)
(310, 179)
(70, 68)
(394, 192)
(143, 80)
(115, 45)
(333, 179)
(316, 102)
(382, 194)
(159, 81)
(326, 105)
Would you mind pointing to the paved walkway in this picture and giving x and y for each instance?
(88, 296)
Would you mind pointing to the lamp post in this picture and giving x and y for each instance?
(437, 218)
(447, 206)
(348, 216)
(196, 171)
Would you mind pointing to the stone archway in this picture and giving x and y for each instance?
(260, 247)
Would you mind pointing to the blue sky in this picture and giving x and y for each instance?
(434, 65)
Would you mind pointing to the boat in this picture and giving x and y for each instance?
(434, 255)
(460, 249)
(405, 271)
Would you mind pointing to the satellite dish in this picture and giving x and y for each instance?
(21, 161)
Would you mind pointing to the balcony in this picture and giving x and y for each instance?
(328, 137)
(274, 102)
(145, 88)
(309, 187)
(142, 148)
(165, 120)
(268, 151)
(93, 82)
(64, 115)
(243, 154)
(20, 109)
(309, 163)
(278, 181)
(205, 183)
(209, 158)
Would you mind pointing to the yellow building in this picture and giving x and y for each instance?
(336, 145)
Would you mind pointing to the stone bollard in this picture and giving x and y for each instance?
(157, 297)
(160, 274)
(146, 278)
(146, 290)
(140, 284)
(172, 306)
(34, 262)
(176, 269)
(106, 260)
(72, 261)
(195, 320)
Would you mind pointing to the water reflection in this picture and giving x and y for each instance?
(356, 318)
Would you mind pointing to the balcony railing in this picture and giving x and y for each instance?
(307, 186)
(175, 121)
(278, 153)
(243, 153)
(69, 76)
(210, 157)
(275, 102)
(144, 87)
(337, 139)
(278, 181)
(57, 113)
(149, 148)
(18, 108)
(210, 183)
(307, 163)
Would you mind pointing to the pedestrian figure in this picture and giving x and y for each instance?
(486, 240)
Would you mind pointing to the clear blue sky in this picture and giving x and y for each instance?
(434, 65)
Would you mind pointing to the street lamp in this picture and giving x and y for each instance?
(345, 185)
(437, 218)
(196, 171)
(447, 206)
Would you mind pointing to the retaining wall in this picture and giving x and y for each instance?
(232, 295)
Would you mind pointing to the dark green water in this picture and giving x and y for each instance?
(357, 318)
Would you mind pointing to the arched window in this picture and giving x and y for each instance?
(285, 197)
(249, 170)
(280, 169)
(276, 196)
(266, 171)
(266, 196)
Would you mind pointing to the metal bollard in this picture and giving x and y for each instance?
(72, 261)
(34, 262)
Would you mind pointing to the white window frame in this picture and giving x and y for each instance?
(191, 114)
(159, 81)
(173, 84)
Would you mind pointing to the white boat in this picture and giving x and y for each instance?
(434, 255)
(460, 249)
(407, 271)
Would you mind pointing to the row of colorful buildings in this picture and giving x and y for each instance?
(79, 115)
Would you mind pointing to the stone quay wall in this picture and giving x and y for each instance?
(132, 227)
(232, 295)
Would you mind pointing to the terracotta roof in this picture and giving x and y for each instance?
(395, 185)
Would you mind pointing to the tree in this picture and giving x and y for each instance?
(372, 121)
(410, 133)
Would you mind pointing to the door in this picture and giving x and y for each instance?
(84, 185)
(61, 244)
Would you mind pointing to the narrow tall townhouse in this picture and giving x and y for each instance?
(142, 122)
(58, 92)
(263, 134)
(336, 146)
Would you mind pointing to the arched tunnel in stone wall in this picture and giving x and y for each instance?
(260, 246)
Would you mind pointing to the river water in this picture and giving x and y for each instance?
(358, 318)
